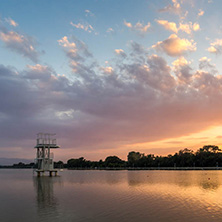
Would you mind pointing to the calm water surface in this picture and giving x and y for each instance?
(111, 196)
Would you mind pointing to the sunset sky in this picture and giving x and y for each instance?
(109, 77)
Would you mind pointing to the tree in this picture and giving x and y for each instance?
(134, 157)
(113, 161)
(185, 158)
(59, 164)
(209, 155)
(73, 163)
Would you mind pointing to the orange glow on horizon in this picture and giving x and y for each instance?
(210, 136)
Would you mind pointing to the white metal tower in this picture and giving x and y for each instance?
(44, 158)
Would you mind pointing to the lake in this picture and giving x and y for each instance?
(106, 196)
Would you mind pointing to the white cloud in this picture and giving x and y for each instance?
(185, 27)
(175, 7)
(180, 62)
(168, 25)
(175, 46)
(128, 24)
(182, 69)
(196, 27)
(69, 47)
(155, 73)
(216, 47)
(205, 64)
(39, 72)
(189, 27)
(120, 52)
(21, 44)
(65, 115)
(201, 12)
(137, 49)
(107, 70)
(11, 22)
(37, 67)
(139, 27)
(76, 51)
(85, 27)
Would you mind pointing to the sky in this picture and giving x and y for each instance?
(109, 77)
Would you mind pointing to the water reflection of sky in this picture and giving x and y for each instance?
(112, 196)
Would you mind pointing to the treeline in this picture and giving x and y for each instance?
(19, 165)
(22, 165)
(208, 156)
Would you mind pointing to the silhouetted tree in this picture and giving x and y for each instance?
(113, 161)
(133, 158)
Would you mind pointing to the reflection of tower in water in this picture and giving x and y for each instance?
(46, 201)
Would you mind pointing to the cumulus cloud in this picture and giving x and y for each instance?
(208, 84)
(155, 74)
(69, 47)
(107, 70)
(205, 64)
(137, 52)
(216, 47)
(11, 22)
(137, 48)
(168, 25)
(183, 71)
(120, 52)
(139, 27)
(196, 27)
(77, 52)
(180, 62)
(24, 45)
(185, 27)
(128, 24)
(26, 90)
(175, 7)
(175, 46)
(201, 12)
(189, 27)
(39, 72)
(86, 27)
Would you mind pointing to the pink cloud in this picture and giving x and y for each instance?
(11, 22)
(139, 27)
(216, 47)
(175, 7)
(175, 46)
(21, 44)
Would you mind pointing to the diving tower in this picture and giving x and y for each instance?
(44, 158)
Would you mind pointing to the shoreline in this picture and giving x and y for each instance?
(149, 168)
(126, 168)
